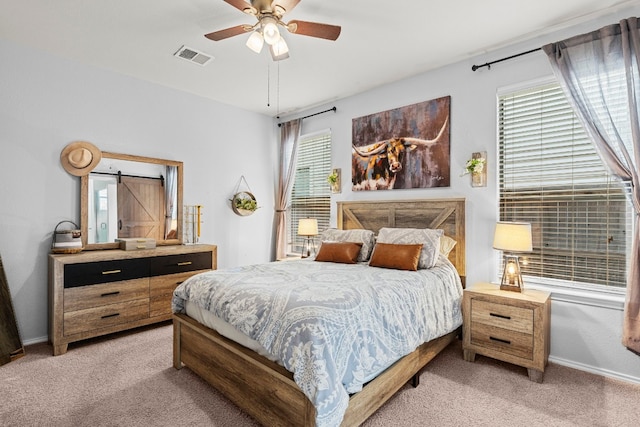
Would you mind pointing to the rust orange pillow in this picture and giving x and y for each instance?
(399, 257)
(342, 252)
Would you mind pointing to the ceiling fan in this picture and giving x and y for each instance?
(269, 14)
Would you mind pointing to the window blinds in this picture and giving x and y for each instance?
(551, 176)
(311, 194)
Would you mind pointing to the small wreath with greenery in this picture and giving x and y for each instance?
(244, 203)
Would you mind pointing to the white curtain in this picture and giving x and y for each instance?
(287, 154)
(598, 71)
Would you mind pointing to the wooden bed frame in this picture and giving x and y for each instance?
(264, 389)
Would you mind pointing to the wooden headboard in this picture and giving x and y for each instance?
(445, 214)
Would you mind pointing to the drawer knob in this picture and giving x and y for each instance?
(110, 315)
(501, 316)
(500, 340)
(109, 294)
(185, 263)
(111, 272)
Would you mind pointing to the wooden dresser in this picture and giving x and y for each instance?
(95, 293)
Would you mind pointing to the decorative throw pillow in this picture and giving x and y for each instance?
(400, 257)
(430, 240)
(342, 252)
(366, 237)
(446, 245)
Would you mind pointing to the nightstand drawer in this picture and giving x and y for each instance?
(503, 340)
(502, 316)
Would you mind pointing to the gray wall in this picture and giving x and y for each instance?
(586, 326)
(47, 102)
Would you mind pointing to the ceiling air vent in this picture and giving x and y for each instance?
(192, 55)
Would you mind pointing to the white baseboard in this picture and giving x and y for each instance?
(35, 341)
(594, 370)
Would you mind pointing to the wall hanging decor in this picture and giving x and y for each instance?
(407, 147)
(334, 181)
(476, 166)
(192, 224)
(243, 202)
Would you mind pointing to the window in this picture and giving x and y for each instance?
(551, 176)
(311, 194)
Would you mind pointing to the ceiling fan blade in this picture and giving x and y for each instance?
(242, 6)
(314, 29)
(228, 32)
(286, 5)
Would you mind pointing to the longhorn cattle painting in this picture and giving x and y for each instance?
(407, 147)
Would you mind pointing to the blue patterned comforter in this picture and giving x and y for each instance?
(334, 326)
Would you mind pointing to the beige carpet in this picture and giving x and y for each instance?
(128, 380)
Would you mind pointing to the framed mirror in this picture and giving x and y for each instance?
(129, 196)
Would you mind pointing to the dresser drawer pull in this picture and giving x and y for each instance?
(110, 315)
(185, 263)
(500, 340)
(111, 272)
(109, 294)
(501, 316)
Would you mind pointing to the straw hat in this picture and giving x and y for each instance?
(80, 157)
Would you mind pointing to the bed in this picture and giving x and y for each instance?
(267, 391)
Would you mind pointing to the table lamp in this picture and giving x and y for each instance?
(308, 227)
(512, 238)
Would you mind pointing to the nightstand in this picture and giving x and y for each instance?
(508, 326)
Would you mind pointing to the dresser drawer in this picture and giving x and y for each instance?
(503, 316)
(503, 340)
(181, 263)
(90, 273)
(161, 291)
(90, 319)
(91, 296)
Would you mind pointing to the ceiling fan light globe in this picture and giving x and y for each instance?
(271, 33)
(255, 42)
(281, 47)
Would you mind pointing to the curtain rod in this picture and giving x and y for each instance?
(488, 64)
(334, 109)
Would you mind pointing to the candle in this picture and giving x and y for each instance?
(198, 207)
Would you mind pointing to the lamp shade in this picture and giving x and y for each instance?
(270, 30)
(255, 42)
(308, 227)
(279, 50)
(513, 237)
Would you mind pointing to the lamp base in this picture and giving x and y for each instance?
(307, 247)
(512, 288)
(511, 277)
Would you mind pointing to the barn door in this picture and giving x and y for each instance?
(141, 208)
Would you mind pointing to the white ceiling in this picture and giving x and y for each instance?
(381, 41)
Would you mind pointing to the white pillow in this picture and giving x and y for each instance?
(429, 238)
(446, 245)
(366, 237)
